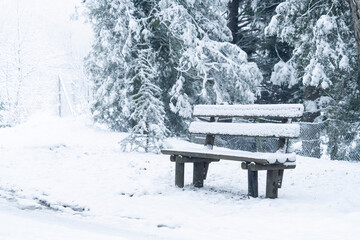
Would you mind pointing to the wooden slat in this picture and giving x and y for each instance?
(214, 156)
(184, 159)
(261, 158)
(246, 129)
(251, 110)
(256, 167)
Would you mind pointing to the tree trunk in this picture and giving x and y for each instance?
(233, 23)
(355, 13)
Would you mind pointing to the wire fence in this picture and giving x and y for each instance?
(324, 139)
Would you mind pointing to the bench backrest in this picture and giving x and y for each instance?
(276, 111)
(246, 129)
(282, 130)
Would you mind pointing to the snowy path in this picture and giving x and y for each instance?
(63, 179)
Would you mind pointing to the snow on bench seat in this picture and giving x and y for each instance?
(246, 129)
(253, 110)
(228, 154)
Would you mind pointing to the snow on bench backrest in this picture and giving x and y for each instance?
(251, 110)
(246, 129)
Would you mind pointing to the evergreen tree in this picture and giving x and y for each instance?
(190, 50)
(147, 110)
(247, 20)
(108, 63)
(355, 13)
(267, 51)
(323, 62)
(132, 97)
(209, 68)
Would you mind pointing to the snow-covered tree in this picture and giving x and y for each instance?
(147, 110)
(17, 64)
(323, 61)
(129, 98)
(210, 69)
(355, 13)
(107, 65)
(193, 57)
(266, 51)
(320, 32)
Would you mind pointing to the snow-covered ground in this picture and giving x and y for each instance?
(67, 179)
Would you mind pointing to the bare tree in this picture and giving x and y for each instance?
(17, 62)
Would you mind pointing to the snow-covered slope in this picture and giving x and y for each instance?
(67, 179)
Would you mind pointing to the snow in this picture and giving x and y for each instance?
(325, 24)
(44, 225)
(253, 110)
(344, 63)
(246, 129)
(67, 179)
(283, 73)
(311, 106)
(270, 30)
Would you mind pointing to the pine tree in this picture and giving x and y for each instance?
(147, 110)
(210, 69)
(265, 50)
(355, 13)
(247, 20)
(128, 98)
(192, 51)
(323, 62)
(107, 64)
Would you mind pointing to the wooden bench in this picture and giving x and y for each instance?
(280, 127)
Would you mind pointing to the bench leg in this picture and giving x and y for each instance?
(206, 168)
(179, 174)
(281, 175)
(253, 190)
(272, 181)
(199, 174)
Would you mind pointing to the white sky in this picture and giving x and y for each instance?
(48, 18)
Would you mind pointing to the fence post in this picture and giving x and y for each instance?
(62, 85)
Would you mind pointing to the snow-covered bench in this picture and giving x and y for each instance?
(274, 163)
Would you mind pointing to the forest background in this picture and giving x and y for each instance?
(151, 61)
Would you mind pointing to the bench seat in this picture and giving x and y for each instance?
(235, 155)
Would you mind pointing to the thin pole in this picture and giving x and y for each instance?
(59, 92)
(66, 95)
